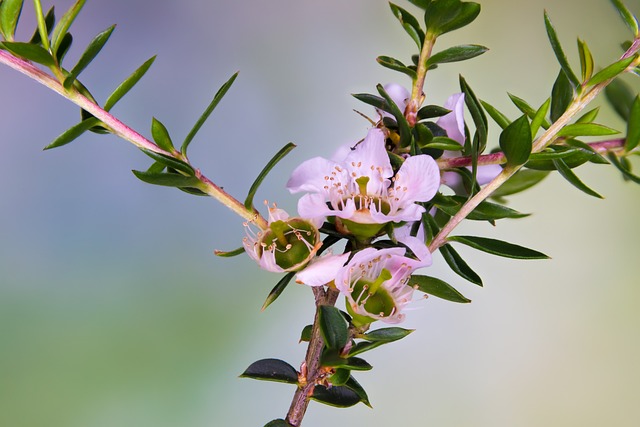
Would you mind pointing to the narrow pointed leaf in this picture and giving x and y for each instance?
(498, 247)
(73, 132)
(479, 120)
(203, 118)
(30, 52)
(515, 142)
(459, 265)
(277, 289)
(64, 47)
(355, 386)
(364, 346)
(409, 23)
(375, 101)
(9, 15)
(456, 54)
(589, 116)
(387, 334)
(568, 174)
(128, 84)
(557, 50)
(161, 135)
(333, 327)
(586, 129)
(611, 71)
(229, 254)
(49, 20)
(626, 173)
(94, 48)
(248, 203)
(621, 97)
(42, 25)
(394, 64)
(627, 16)
(586, 60)
(167, 179)
(271, 370)
(65, 23)
(431, 111)
(540, 118)
(633, 126)
(522, 180)
(561, 96)
(438, 288)
(502, 120)
(170, 162)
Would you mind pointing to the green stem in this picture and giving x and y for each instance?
(125, 132)
(417, 90)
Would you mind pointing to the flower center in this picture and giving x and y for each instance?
(292, 242)
(374, 298)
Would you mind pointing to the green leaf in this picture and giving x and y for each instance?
(496, 115)
(73, 132)
(161, 136)
(338, 396)
(387, 334)
(568, 174)
(340, 377)
(611, 71)
(375, 101)
(334, 360)
(176, 164)
(586, 60)
(364, 346)
(229, 254)
(277, 290)
(306, 333)
(621, 97)
(394, 64)
(49, 20)
(589, 116)
(42, 25)
(271, 370)
(65, 45)
(167, 179)
(203, 118)
(485, 211)
(409, 23)
(522, 180)
(431, 111)
(498, 247)
(248, 203)
(88, 55)
(437, 288)
(458, 265)
(128, 84)
(561, 96)
(479, 120)
(277, 423)
(515, 142)
(403, 126)
(353, 385)
(30, 52)
(540, 118)
(633, 126)
(557, 50)
(333, 327)
(443, 16)
(626, 173)
(586, 129)
(627, 17)
(65, 23)
(9, 15)
(443, 143)
(422, 4)
(456, 54)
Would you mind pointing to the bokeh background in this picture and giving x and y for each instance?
(115, 312)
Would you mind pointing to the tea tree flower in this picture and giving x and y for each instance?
(361, 191)
(288, 244)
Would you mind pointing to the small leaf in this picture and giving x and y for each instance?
(479, 119)
(621, 97)
(340, 377)
(496, 115)
(586, 60)
(128, 84)
(443, 143)
(353, 385)
(73, 132)
(431, 111)
(30, 52)
(63, 26)
(338, 396)
(626, 173)
(627, 17)
(42, 25)
(387, 334)
(561, 96)
(277, 290)
(277, 423)
(167, 179)
(568, 174)
(633, 126)
(459, 265)
(333, 327)
(248, 203)
(498, 247)
(306, 333)
(333, 360)
(586, 129)
(522, 180)
(437, 288)
(94, 48)
(611, 71)
(485, 211)
(203, 118)
(443, 16)
(557, 50)
(364, 346)
(540, 118)
(161, 136)
(374, 101)
(515, 142)
(271, 370)
(409, 23)
(589, 116)
(456, 54)
(9, 15)
(394, 64)
(49, 20)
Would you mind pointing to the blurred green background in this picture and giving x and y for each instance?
(115, 312)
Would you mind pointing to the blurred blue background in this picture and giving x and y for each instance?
(115, 312)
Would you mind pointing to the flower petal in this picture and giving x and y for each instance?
(315, 175)
(453, 122)
(417, 180)
(370, 159)
(322, 270)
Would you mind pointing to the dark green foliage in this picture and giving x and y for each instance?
(633, 126)
(561, 96)
(30, 52)
(396, 65)
(557, 50)
(338, 396)
(520, 181)
(161, 136)
(409, 23)
(498, 247)
(49, 20)
(621, 97)
(333, 327)
(128, 84)
(515, 142)
(403, 126)
(167, 179)
(271, 370)
(61, 29)
(502, 120)
(248, 203)
(586, 60)
(73, 132)
(9, 15)
(486, 211)
(94, 48)
(611, 71)
(566, 172)
(277, 289)
(443, 16)
(456, 54)
(437, 288)
(431, 111)
(459, 265)
(586, 129)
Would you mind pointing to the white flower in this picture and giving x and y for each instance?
(361, 188)
(453, 124)
(288, 244)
